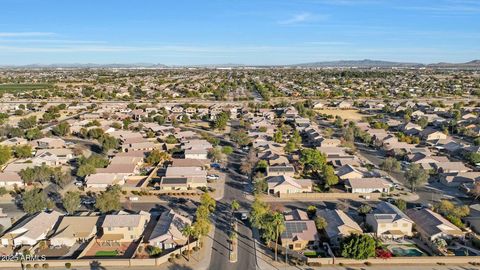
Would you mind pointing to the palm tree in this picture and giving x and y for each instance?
(278, 223)
(188, 231)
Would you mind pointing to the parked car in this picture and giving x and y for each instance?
(216, 166)
(244, 216)
(78, 183)
(88, 200)
(133, 198)
(213, 177)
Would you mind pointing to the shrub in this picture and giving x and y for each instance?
(45, 265)
(36, 266)
(68, 265)
(28, 266)
(368, 263)
(196, 249)
(177, 256)
(171, 260)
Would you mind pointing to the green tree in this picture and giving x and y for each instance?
(71, 201)
(473, 158)
(364, 209)
(62, 129)
(208, 201)
(235, 205)
(22, 151)
(34, 201)
(156, 156)
(278, 223)
(33, 134)
(109, 200)
(258, 213)
(359, 247)
(416, 176)
(5, 154)
(312, 160)
(227, 150)
(216, 154)
(321, 223)
(185, 119)
(27, 123)
(329, 176)
(108, 142)
(290, 147)
(188, 231)
(221, 121)
(278, 137)
(391, 164)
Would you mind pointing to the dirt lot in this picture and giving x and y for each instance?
(345, 114)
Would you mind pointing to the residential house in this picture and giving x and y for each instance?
(430, 134)
(349, 172)
(103, 180)
(123, 227)
(285, 184)
(431, 225)
(459, 178)
(300, 232)
(450, 167)
(183, 178)
(288, 170)
(368, 185)
(45, 143)
(31, 230)
(16, 141)
(473, 219)
(388, 221)
(10, 179)
(74, 229)
(168, 231)
(339, 225)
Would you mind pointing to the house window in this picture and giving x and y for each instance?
(382, 225)
(130, 228)
(131, 237)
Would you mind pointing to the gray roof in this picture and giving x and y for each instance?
(385, 212)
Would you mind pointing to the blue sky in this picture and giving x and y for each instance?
(184, 32)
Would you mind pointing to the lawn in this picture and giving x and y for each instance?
(20, 87)
(107, 253)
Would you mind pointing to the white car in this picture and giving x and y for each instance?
(78, 183)
(133, 198)
(213, 177)
(244, 216)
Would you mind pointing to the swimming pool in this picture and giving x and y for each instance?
(399, 251)
(461, 252)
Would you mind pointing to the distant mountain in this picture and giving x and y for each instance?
(475, 64)
(366, 63)
(87, 65)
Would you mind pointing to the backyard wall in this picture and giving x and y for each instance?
(458, 260)
(329, 196)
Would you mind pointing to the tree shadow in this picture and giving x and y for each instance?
(96, 265)
(179, 267)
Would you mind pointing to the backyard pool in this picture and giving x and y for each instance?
(462, 252)
(400, 251)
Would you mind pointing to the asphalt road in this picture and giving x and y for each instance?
(234, 190)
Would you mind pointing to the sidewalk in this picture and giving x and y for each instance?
(198, 261)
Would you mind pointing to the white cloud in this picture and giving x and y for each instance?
(25, 34)
(302, 17)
